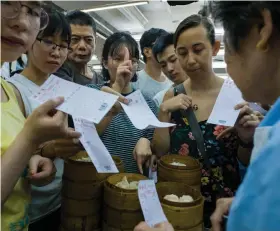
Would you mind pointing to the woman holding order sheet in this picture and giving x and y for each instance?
(120, 59)
(47, 54)
(195, 45)
(20, 24)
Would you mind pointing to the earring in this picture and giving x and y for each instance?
(262, 47)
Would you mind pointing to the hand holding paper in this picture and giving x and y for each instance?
(82, 102)
(223, 112)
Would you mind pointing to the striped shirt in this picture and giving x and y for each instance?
(121, 136)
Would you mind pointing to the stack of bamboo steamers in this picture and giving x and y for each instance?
(82, 194)
(92, 201)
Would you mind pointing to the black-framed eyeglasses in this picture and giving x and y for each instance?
(37, 16)
(50, 45)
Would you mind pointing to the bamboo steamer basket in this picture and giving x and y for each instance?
(80, 208)
(121, 208)
(82, 191)
(105, 227)
(86, 223)
(189, 174)
(81, 171)
(63, 229)
(82, 194)
(81, 180)
(183, 216)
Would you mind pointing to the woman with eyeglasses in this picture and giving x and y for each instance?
(46, 55)
(20, 24)
(120, 59)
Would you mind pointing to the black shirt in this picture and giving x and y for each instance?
(69, 72)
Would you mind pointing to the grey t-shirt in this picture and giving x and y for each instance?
(149, 86)
(69, 72)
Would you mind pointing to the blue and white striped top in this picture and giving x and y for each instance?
(121, 136)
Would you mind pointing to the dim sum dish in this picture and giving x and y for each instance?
(124, 184)
(182, 199)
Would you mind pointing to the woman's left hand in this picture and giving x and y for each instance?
(142, 152)
(41, 170)
(247, 122)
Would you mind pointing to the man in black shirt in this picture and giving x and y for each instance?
(82, 46)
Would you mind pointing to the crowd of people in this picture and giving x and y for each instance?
(178, 76)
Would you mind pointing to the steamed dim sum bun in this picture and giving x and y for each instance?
(123, 184)
(126, 185)
(133, 185)
(172, 198)
(182, 199)
(178, 164)
(186, 199)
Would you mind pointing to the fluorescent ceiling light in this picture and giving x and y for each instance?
(94, 58)
(116, 6)
(97, 67)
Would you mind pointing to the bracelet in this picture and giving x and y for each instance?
(242, 144)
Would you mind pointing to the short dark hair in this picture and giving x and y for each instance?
(111, 47)
(57, 25)
(149, 38)
(77, 17)
(194, 21)
(162, 43)
(238, 17)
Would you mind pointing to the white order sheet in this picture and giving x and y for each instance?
(140, 114)
(94, 147)
(80, 101)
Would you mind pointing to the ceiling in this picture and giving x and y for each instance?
(137, 19)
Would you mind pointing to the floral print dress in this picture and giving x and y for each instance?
(224, 178)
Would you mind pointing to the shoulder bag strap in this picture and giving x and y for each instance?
(197, 133)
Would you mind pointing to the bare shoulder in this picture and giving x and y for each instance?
(169, 94)
(220, 82)
(19, 99)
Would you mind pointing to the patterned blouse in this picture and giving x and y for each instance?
(224, 179)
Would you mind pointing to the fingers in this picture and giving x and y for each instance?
(60, 117)
(49, 105)
(247, 118)
(126, 54)
(33, 164)
(65, 152)
(72, 134)
(140, 165)
(143, 226)
(224, 133)
(222, 208)
(124, 70)
(121, 98)
(45, 165)
(251, 124)
(241, 105)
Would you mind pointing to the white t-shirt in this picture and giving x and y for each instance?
(45, 199)
(149, 86)
(158, 98)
